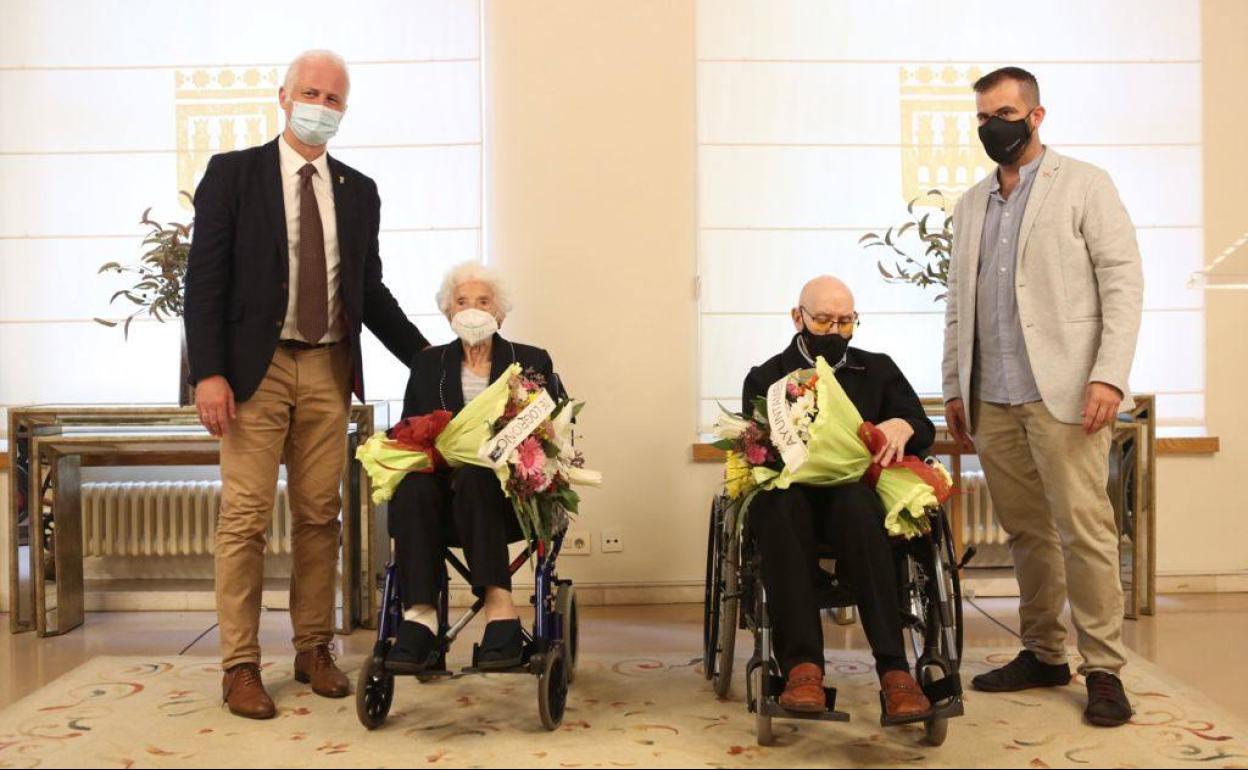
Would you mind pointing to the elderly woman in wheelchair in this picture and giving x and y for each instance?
(465, 507)
(778, 561)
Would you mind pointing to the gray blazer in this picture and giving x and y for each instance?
(1080, 286)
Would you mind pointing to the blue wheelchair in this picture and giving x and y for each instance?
(550, 649)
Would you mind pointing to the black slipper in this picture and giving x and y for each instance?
(502, 645)
(414, 646)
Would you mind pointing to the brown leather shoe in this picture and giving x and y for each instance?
(243, 691)
(804, 689)
(317, 666)
(902, 695)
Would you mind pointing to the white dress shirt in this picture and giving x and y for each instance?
(322, 185)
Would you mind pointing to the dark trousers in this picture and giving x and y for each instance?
(433, 511)
(787, 526)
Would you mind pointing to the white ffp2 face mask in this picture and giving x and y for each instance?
(314, 124)
(474, 326)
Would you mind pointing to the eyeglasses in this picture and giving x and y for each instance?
(823, 324)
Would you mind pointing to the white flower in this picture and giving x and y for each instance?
(729, 426)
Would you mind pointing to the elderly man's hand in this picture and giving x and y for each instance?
(898, 432)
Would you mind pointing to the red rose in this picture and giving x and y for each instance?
(418, 433)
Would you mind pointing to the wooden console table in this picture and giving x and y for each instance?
(48, 446)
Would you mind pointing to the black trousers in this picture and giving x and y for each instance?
(433, 511)
(787, 526)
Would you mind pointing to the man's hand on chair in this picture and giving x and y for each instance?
(898, 432)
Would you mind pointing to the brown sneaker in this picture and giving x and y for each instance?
(243, 692)
(804, 689)
(902, 695)
(317, 666)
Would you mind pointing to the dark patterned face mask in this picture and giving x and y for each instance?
(1003, 139)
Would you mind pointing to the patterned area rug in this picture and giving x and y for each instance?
(634, 712)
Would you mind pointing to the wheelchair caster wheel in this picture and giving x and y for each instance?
(552, 688)
(373, 693)
(762, 720)
(935, 731)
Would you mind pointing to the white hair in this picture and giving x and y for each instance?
(317, 54)
(466, 272)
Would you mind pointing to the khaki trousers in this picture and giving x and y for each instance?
(299, 411)
(1048, 483)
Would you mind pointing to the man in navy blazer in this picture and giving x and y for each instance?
(283, 272)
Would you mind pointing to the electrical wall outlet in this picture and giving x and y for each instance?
(612, 541)
(577, 543)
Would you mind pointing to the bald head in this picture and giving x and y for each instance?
(825, 297)
(826, 290)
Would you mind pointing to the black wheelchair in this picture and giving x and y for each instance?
(931, 601)
(550, 649)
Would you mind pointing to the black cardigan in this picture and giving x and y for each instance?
(435, 379)
(871, 380)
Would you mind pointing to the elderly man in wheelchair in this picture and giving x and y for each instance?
(782, 540)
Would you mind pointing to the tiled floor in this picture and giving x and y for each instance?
(1197, 637)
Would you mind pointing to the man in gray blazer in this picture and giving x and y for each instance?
(1045, 289)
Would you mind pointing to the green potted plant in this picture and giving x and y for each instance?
(934, 233)
(158, 283)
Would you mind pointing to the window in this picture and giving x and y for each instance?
(818, 121)
(106, 118)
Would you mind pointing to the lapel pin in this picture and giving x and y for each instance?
(342, 180)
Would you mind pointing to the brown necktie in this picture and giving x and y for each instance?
(312, 310)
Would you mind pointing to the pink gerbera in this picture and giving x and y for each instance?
(531, 458)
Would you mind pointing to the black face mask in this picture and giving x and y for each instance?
(1004, 140)
(831, 346)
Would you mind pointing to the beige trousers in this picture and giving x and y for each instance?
(1048, 484)
(300, 412)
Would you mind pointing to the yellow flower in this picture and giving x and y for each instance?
(738, 480)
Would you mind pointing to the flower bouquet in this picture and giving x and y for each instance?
(513, 427)
(807, 431)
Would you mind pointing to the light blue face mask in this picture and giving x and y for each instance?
(314, 124)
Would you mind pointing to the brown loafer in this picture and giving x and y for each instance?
(902, 695)
(804, 689)
(317, 666)
(243, 691)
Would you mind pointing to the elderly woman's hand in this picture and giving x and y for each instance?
(898, 432)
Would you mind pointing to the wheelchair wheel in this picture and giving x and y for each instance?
(566, 606)
(552, 688)
(710, 602)
(725, 609)
(374, 691)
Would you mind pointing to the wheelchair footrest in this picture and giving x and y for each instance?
(523, 668)
(772, 708)
(953, 708)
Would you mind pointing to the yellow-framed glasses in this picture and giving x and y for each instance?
(822, 324)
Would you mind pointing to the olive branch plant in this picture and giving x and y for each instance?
(159, 273)
(934, 229)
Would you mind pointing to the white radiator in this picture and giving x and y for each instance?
(980, 526)
(979, 523)
(164, 518)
